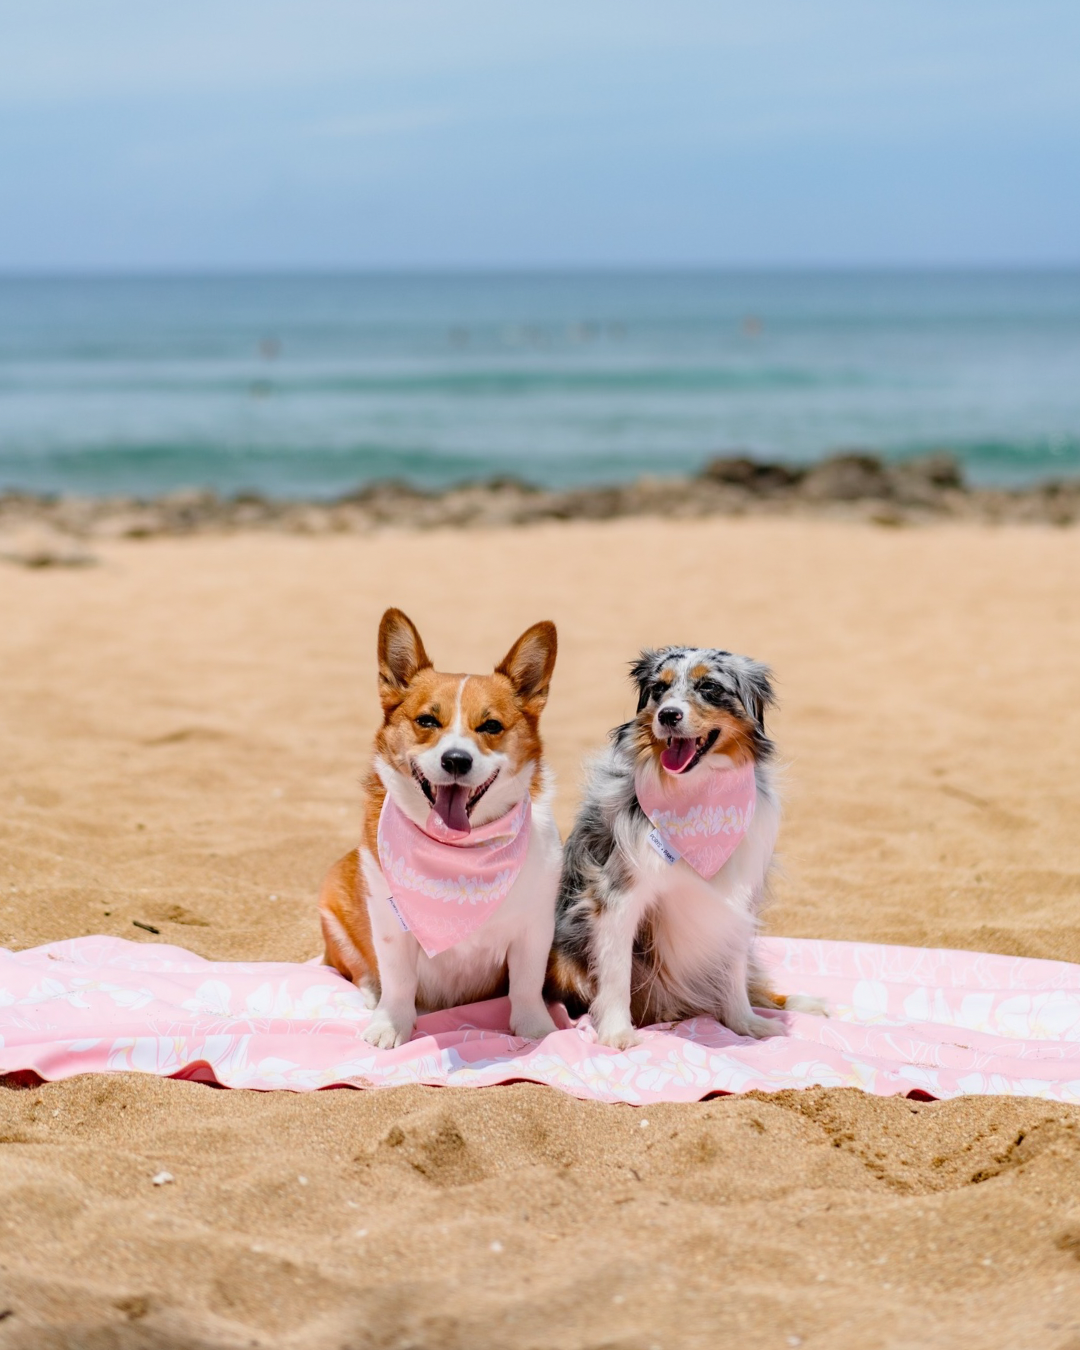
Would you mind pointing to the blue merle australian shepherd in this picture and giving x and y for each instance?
(651, 926)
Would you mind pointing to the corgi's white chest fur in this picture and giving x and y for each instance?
(463, 973)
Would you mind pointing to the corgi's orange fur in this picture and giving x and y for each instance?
(430, 720)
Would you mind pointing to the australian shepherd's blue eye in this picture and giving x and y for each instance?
(491, 727)
(427, 721)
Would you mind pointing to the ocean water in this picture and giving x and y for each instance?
(312, 385)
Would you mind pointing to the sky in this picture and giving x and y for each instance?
(262, 134)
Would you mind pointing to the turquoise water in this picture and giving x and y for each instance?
(312, 385)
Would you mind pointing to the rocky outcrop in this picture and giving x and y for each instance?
(39, 530)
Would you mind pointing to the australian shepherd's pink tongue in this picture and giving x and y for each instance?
(678, 753)
(450, 803)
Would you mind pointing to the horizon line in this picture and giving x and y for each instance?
(213, 271)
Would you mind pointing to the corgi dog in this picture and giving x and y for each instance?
(665, 872)
(450, 896)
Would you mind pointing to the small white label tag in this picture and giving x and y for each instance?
(397, 912)
(663, 847)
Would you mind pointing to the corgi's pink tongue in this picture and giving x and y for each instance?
(678, 754)
(450, 803)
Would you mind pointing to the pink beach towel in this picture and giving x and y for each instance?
(904, 1020)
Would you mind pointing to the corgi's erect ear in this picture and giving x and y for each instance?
(528, 666)
(401, 655)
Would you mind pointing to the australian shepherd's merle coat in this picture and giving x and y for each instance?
(637, 939)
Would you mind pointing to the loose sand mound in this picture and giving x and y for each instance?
(181, 730)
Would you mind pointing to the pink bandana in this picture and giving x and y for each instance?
(702, 818)
(444, 883)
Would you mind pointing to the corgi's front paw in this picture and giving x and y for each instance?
(532, 1024)
(385, 1032)
(618, 1033)
(369, 994)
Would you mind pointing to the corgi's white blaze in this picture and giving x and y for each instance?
(457, 706)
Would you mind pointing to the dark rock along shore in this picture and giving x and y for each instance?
(855, 485)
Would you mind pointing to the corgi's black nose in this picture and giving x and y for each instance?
(457, 762)
(669, 717)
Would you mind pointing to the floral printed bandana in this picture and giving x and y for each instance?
(445, 883)
(702, 818)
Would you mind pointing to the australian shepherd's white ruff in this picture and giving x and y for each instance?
(641, 935)
(455, 755)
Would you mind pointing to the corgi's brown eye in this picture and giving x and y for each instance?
(427, 721)
(491, 727)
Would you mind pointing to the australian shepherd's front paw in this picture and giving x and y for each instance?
(753, 1025)
(385, 1032)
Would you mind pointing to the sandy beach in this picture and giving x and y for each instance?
(182, 727)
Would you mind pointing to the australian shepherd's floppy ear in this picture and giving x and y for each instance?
(665, 871)
(450, 897)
